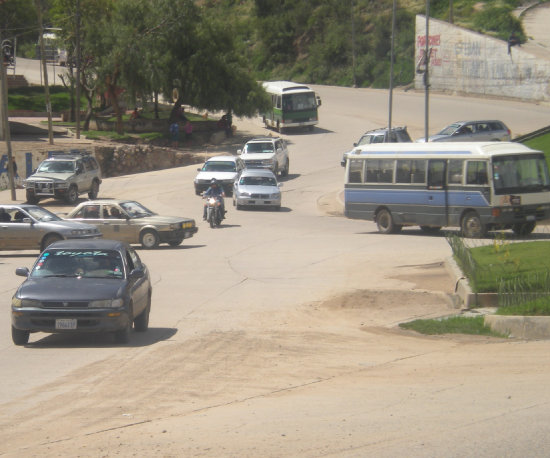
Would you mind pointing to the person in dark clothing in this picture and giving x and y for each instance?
(215, 190)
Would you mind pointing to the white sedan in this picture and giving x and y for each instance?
(257, 187)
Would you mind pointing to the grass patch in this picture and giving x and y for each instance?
(539, 307)
(33, 98)
(106, 134)
(451, 325)
(541, 143)
(506, 261)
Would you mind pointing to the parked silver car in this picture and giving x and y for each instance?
(30, 227)
(257, 187)
(472, 131)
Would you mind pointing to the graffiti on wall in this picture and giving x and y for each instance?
(434, 44)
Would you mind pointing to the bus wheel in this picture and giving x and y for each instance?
(385, 223)
(472, 227)
(524, 228)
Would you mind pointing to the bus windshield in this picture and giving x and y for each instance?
(520, 174)
(299, 102)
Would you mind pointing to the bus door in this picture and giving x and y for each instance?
(437, 205)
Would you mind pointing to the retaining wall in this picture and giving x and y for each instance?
(466, 62)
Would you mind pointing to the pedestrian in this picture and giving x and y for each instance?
(174, 133)
(188, 128)
(14, 167)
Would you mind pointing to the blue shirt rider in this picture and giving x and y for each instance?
(215, 190)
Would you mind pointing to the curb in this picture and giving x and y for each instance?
(519, 327)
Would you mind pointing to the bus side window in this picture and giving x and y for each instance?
(454, 173)
(356, 171)
(403, 171)
(476, 172)
(436, 173)
(418, 171)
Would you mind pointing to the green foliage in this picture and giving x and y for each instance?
(499, 21)
(451, 325)
(33, 98)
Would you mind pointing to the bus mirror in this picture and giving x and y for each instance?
(318, 101)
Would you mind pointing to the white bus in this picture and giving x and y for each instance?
(475, 186)
(292, 105)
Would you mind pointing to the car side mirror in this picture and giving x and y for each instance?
(239, 152)
(318, 101)
(137, 273)
(26, 220)
(280, 185)
(22, 271)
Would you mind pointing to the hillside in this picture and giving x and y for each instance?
(346, 43)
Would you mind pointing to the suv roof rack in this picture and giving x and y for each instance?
(68, 154)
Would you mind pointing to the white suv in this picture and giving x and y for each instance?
(266, 153)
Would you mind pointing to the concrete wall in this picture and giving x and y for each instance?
(462, 61)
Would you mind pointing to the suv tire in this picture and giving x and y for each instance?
(72, 195)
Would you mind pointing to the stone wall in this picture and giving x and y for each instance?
(466, 62)
(114, 160)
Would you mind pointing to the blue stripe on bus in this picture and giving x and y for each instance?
(416, 196)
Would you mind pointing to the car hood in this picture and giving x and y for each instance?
(51, 176)
(255, 189)
(71, 289)
(158, 219)
(256, 156)
(436, 138)
(216, 175)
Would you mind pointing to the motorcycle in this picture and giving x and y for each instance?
(214, 211)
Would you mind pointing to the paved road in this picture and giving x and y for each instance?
(276, 335)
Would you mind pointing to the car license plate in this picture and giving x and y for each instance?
(65, 323)
(530, 218)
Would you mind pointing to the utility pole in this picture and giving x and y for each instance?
(6, 126)
(426, 74)
(391, 70)
(77, 68)
(45, 71)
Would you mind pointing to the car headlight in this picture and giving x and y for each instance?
(269, 161)
(276, 195)
(187, 225)
(17, 302)
(244, 194)
(107, 303)
(61, 185)
(175, 226)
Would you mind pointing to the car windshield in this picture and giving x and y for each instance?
(258, 181)
(449, 130)
(219, 166)
(259, 148)
(86, 263)
(56, 166)
(299, 102)
(136, 210)
(41, 214)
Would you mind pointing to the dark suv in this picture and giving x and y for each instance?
(64, 176)
(397, 135)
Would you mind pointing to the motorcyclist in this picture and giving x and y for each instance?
(215, 190)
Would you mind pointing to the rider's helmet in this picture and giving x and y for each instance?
(213, 182)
